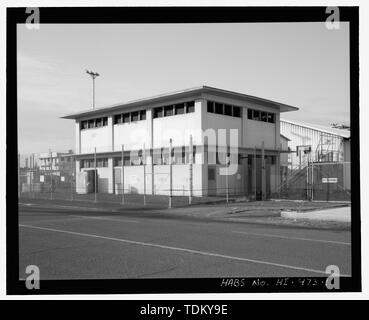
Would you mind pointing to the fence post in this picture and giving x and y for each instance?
(307, 182)
(312, 181)
(254, 174)
(19, 180)
(263, 173)
(170, 173)
(95, 178)
(227, 191)
(51, 174)
(71, 180)
(122, 175)
(191, 170)
(144, 170)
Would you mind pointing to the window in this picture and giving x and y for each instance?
(180, 108)
(225, 109)
(127, 161)
(158, 112)
(271, 118)
(228, 110)
(260, 116)
(263, 116)
(94, 123)
(211, 106)
(179, 155)
(256, 115)
(218, 108)
(168, 111)
(87, 163)
(91, 123)
(117, 162)
(249, 114)
(126, 117)
(117, 118)
(102, 163)
(236, 111)
(143, 115)
(190, 106)
(157, 157)
(134, 116)
(98, 122)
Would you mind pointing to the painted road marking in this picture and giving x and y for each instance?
(292, 238)
(64, 207)
(107, 219)
(204, 253)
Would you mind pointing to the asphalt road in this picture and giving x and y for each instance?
(84, 244)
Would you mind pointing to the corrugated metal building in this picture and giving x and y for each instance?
(315, 143)
(318, 165)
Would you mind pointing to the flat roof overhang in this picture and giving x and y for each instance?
(193, 93)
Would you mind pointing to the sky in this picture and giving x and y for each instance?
(301, 64)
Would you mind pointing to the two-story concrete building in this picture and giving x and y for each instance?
(203, 127)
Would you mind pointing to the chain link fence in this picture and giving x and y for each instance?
(317, 181)
(55, 176)
(58, 176)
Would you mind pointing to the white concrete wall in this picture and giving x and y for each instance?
(96, 137)
(258, 131)
(133, 135)
(77, 136)
(134, 180)
(217, 121)
(177, 127)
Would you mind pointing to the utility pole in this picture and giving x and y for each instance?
(93, 76)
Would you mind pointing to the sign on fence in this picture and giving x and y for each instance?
(329, 180)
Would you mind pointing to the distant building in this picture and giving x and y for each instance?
(55, 162)
(315, 143)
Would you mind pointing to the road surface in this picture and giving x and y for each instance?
(84, 244)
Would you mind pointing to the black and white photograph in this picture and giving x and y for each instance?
(179, 150)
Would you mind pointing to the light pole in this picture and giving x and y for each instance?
(93, 76)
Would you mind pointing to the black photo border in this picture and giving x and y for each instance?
(79, 15)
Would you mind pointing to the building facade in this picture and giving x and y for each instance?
(182, 142)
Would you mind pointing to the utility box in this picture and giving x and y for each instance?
(86, 182)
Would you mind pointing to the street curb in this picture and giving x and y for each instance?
(316, 217)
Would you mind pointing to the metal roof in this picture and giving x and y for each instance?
(186, 93)
(337, 132)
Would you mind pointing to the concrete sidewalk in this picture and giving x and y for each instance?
(342, 214)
